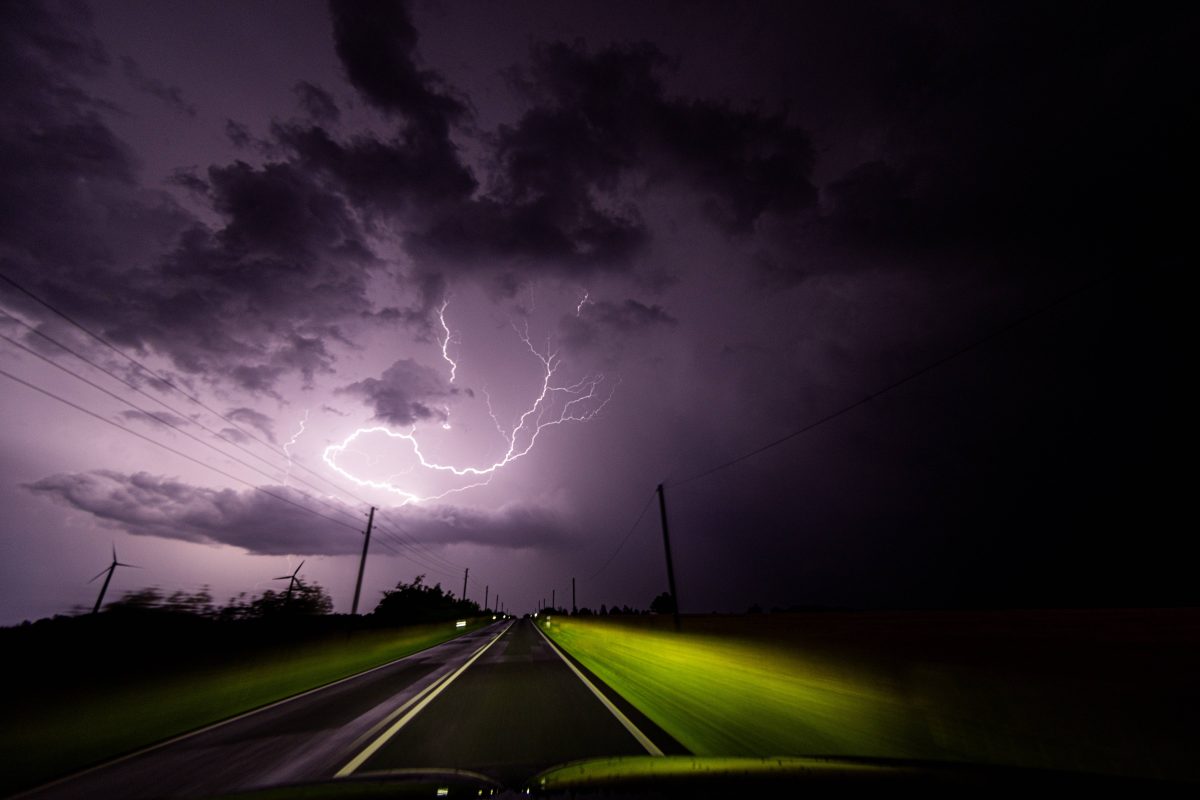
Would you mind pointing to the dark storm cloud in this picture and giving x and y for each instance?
(400, 396)
(599, 321)
(404, 175)
(629, 315)
(254, 298)
(237, 133)
(512, 527)
(148, 505)
(376, 42)
(171, 95)
(317, 103)
(255, 419)
(557, 197)
(235, 435)
(186, 178)
(257, 298)
(51, 132)
(156, 419)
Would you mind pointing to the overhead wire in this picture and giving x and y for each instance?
(628, 534)
(420, 546)
(158, 376)
(168, 423)
(992, 335)
(170, 449)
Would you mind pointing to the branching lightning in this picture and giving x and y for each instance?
(554, 404)
(289, 443)
(583, 301)
(446, 341)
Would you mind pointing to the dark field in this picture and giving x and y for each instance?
(83, 690)
(1104, 691)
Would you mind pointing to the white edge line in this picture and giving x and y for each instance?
(423, 699)
(214, 725)
(642, 738)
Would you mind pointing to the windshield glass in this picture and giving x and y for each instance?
(539, 395)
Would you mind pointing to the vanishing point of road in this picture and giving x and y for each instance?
(502, 701)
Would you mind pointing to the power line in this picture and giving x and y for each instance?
(161, 402)
(415, 557)
(399, 531)
(132, 386)
(162, 378)
(632, 528)
(896, 384)
(170, 449)
(168, 423)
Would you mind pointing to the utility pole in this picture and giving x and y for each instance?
(574, 608)
(362, 564)
(662, 509)
(553, 600)
(499, 607)
(465, 573)
(485, 595)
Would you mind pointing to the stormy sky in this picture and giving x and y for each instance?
(887, 294)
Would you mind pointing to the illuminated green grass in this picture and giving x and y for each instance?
(57, 739)
(1097, 691)
(718, 696)
(605, 772)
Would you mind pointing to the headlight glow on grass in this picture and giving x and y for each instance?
(720, 696)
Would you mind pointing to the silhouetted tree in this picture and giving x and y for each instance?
(307, 599)
(663, 604)
(416, 602)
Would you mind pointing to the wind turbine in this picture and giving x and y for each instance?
(293, 580)
(110, 570)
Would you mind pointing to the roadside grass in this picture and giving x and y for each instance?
(49, 739)
(1096, 692)
(735, 698)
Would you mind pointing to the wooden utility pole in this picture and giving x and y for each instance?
(574, 608)
(553, 600)
(362, 564)
(662, 509)
(485, 595)
(465, 573)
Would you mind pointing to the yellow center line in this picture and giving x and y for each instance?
(642, 738)
(415, 705)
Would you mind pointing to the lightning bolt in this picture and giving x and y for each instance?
(555, 404)
(582, 302)
(446, 341)
(291, 442)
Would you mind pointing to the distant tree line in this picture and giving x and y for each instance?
(304, 599)
(663, 604)
(409, 603)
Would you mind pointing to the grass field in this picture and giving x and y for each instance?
(1090, 691)
(51, 738)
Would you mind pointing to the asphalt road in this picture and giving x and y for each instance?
(517, 710)
(500, 701)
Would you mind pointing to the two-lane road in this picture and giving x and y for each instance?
(518, 709)
(501, 701)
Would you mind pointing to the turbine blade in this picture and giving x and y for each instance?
(101, 572)
(297, 570)
(282, 578)
(123, 564)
